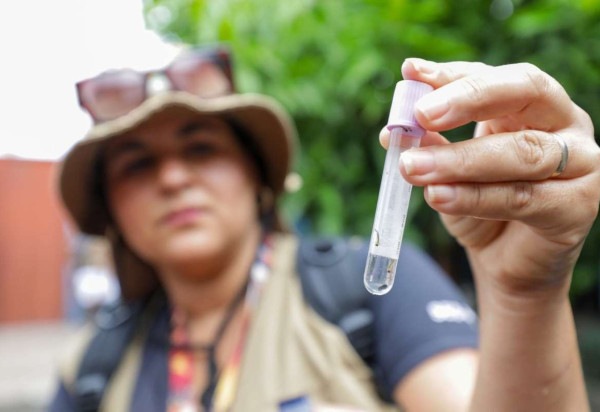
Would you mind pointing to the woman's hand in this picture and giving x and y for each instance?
(522, 225)
(521, 216)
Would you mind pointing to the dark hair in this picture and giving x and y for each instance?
(265, 198)
(249, 145)
(98, 221)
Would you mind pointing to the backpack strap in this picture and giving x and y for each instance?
(116, 325)
(331, 273)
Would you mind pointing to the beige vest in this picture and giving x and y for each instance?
(291, 351)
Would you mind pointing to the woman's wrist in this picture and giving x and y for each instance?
(521, 299)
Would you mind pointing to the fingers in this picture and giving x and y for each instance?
(439, 74)
(526, 155)
(534, 203)
(468, 92)
(523, 114)
(429, 139)
(521, 156)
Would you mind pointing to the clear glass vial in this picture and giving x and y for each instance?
(394, 193)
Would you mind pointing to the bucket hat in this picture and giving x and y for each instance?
(263, 119)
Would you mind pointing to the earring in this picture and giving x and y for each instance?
(266, 200)
(113, 234)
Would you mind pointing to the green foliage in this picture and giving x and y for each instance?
(333, 64)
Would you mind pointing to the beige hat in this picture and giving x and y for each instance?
(262, 118)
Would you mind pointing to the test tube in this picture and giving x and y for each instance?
(394, 193)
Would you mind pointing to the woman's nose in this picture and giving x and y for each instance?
(173, 174)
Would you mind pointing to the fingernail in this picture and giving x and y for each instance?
(422, 66)
(417, 162)
(384, 135)
(432, 106)
(441, 193)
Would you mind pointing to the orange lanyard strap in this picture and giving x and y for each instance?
(259, 274)
(181, 396)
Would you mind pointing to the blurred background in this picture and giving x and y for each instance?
(333, 64)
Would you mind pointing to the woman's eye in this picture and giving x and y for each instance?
(138, 165)
(200, 149)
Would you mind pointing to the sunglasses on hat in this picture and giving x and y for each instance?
(204, 72)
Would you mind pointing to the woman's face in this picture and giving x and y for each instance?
(181, 189)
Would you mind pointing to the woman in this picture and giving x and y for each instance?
(184, 183)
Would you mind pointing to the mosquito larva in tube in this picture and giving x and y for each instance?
(394, 193)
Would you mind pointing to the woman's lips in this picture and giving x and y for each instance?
(182, 217)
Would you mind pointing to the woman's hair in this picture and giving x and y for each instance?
(249, 146)
(265, 198)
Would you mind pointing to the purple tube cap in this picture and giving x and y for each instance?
(402, 112)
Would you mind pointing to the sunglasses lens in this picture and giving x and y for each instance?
(112, 94)
(199, 76)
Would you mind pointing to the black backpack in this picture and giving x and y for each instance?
(330, 271)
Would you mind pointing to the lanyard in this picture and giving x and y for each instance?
(220, 391)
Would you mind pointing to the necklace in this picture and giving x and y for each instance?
(221, 386)
(182, 351)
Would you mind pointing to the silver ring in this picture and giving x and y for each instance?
(564, 156)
